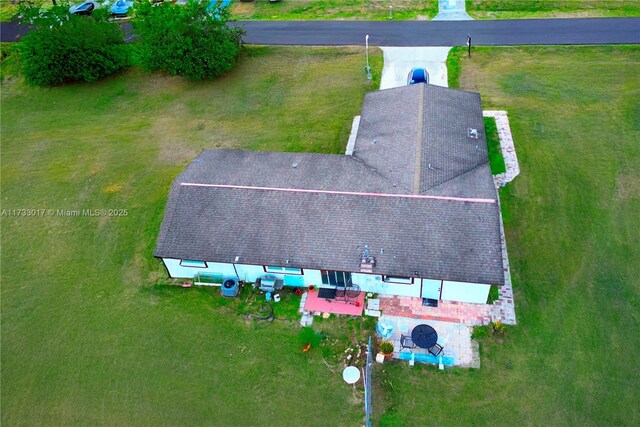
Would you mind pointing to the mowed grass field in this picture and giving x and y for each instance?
(522, 9)
(427, 9)
(572, 221)
(90, 333)
(373, 10)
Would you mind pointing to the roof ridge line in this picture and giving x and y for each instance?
(417, 171)
(346, 193)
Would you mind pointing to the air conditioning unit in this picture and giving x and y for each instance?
(230, 287)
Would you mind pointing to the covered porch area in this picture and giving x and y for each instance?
(323, 300)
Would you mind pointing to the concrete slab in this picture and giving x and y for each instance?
(398, 61)
(452, 10)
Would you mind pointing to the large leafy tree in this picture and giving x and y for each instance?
(189, 40)
(63, 48)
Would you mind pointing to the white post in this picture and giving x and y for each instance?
(367, 68)
(366, 42)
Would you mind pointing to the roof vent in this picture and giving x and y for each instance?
(473, 133)
(294, 166)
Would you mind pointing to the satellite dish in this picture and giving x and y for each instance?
(351, 374)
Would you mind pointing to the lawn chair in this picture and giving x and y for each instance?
(436, 349)
(352, 293)
(406, 342)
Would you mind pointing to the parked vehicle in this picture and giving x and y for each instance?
(417, 75)
(85, 8)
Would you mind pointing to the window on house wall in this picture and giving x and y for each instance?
(193, 263)
(336, 278)
(282, 270)
(398, 279)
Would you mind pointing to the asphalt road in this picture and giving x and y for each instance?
(428, 33)
(446, 33)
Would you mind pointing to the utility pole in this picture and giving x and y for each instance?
(469, 44)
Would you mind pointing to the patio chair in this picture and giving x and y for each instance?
(436, 349)
(352, 293)
(406, 342)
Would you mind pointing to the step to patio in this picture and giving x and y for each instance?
(373, 313)
(373, 304)
(306, 320)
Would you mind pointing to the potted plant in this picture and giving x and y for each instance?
(386, 348)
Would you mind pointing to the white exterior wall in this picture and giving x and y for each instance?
(465, 292)
(374, 283)
(249, 273)
(178, 271)
(246, 272)
(451, 291)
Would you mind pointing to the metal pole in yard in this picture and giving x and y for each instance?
(367, 68)
(390, 12)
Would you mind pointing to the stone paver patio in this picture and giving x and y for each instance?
(454, 337)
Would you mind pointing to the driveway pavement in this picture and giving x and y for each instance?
(398, 61)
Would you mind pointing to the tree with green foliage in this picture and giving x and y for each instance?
(189, 40)
(64, 48)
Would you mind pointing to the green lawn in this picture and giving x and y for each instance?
(91, 332)
(571, 220)
(427, 9)
(407, 9)
(496, 161)
(335, 9)
(518, 9)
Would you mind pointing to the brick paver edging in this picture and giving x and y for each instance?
(506, 146)
(504, 308)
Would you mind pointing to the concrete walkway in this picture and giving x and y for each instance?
(452, 10)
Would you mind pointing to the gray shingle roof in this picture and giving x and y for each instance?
(241, 210)
(285, 170)
(427, 238)
(421, 135)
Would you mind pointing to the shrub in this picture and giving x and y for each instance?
(496, 328)
(386, 347)
(64, 48)
(187, 41)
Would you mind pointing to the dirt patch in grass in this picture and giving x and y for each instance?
(628, 187)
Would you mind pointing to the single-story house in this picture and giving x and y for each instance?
(411, 210)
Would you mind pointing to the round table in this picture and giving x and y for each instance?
(424, 336)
